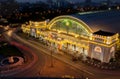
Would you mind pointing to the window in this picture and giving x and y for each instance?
(98, 49)
(112, 49)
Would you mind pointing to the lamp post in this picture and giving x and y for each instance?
(51, 56)
(82, 76)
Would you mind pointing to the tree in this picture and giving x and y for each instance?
(8, 7)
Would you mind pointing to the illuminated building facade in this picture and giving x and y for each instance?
(72, 35)
(103, 45)
(34, 28)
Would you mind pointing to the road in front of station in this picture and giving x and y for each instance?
(88, 71)
(63, 65)
(42, 68)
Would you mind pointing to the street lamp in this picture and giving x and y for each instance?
(51, 56)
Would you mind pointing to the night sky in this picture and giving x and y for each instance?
(68, 0)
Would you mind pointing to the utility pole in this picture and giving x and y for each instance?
(51, 57)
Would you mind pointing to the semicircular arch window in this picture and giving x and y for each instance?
(98, 49)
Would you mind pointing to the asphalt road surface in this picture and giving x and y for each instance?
(62, 64)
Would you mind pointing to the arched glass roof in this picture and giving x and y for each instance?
(70, 25)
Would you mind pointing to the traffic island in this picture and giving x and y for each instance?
(13, 63)
(7, 65)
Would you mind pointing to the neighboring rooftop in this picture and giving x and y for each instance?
(104, 33)
(104, 20)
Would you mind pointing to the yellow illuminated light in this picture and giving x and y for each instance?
(41, 24)
(105, 39)
(103, 44)
(66, 41)
(65, 32)
(118, 7)
(76, 36)
(59, 31)
(91, 36)
(112, 49)
(70, 17)
(98, 49)
(108, 40)
(67, 23)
